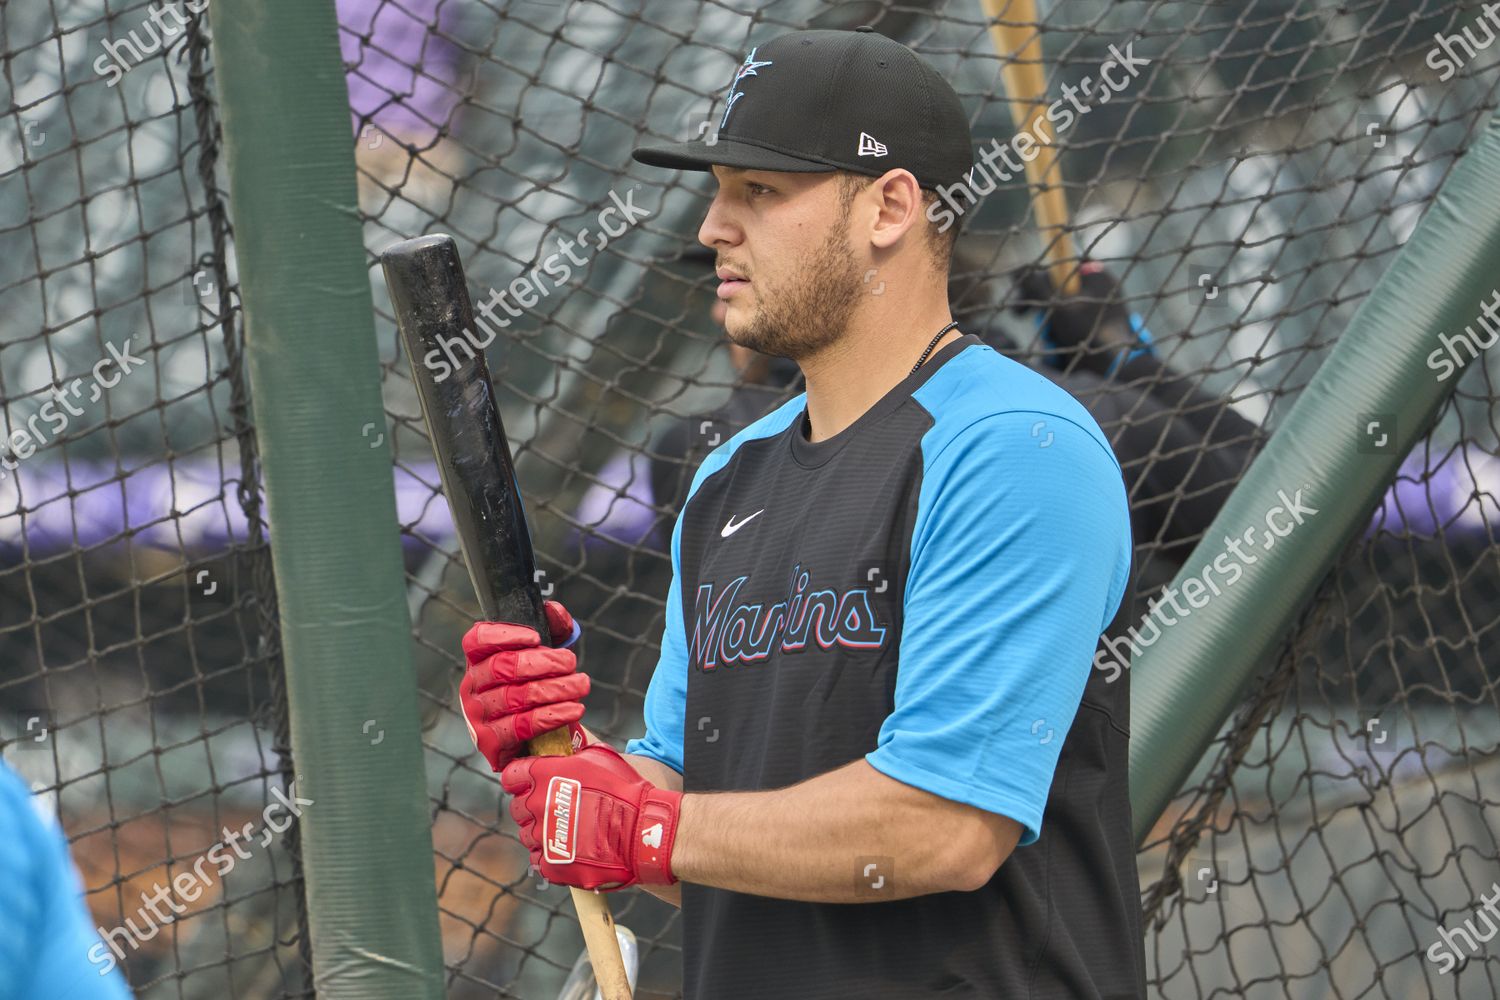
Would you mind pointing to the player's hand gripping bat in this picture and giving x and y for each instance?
(431, 300)
(1019, 46)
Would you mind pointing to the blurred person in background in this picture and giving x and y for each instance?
(46, 932)
(1182, 449)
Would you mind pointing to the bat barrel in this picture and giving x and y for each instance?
(425, 279)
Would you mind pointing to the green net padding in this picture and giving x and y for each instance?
(140, 690)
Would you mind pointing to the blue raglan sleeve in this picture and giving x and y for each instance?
(666, 694)
(1020, 556)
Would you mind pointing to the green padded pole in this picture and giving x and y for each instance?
(1190, 680)
(314, 372)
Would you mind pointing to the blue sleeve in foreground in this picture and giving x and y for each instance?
(48, 946)
(1020, 558)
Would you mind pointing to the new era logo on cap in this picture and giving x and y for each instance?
(870, 146)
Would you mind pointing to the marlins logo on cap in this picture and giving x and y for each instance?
(747, 68)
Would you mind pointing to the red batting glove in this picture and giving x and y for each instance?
(516, 689)
(591, 821)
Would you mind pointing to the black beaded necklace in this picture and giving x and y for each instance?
(930, 347)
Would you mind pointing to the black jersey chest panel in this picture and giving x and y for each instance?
(793, 620)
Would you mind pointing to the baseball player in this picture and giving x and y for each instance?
(876, 760)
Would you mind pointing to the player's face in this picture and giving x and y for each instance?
(790, 279)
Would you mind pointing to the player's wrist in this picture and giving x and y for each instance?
(656, 836)
(1140, 346)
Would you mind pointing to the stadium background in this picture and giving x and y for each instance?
(1249, 190)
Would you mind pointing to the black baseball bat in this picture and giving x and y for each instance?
(425, 278)
(433, 314)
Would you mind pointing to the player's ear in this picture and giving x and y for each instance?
(898, 198)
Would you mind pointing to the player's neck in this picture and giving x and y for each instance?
(852, 375)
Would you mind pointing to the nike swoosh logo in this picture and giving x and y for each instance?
(730, 527)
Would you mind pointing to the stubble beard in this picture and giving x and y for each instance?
(805, 318)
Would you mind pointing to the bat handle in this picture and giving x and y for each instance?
(594, 918)
(598, 927)
(557, 743)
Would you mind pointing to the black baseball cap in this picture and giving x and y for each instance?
(818, 101)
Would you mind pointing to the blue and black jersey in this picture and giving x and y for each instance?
(923, 590)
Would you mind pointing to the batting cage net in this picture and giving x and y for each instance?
(140, 691)
(1245, 172)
